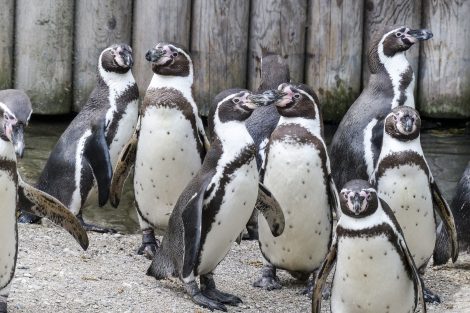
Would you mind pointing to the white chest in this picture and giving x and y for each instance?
(295, 175)
(372, 265)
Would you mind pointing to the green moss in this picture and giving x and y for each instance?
(59, 102)
(446, 106)
(336, 101)
(5, 80)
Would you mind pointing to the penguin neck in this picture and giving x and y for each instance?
(117, 83)
(354, 223)
(401, 75)
(233, 136)
(313, 126)
(392, 145)
(7, 150)
(184, 84)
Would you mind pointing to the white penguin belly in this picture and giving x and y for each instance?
(124, 131)
(237, 205)
(295, 177)
(370, 277)
(167, 159)
(8, 235)
(406, 190)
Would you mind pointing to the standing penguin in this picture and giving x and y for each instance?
(404, 180)
(11, 185)
(374, 268)
(17, 104)
(216, 204)
(356, 144)
(169, 146)
(108, 118)
(297, 152)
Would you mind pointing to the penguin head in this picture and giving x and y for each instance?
(358, 199)
(9, 123)
(116, 59)
(394, 40)
(169, 59)
(18, 108)
(297, 101)
(403, 123)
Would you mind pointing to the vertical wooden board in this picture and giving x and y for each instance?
(98, 24)
(43, 53)
(333, 54)
(444, 76)
(156, 21)
(278, 26)
(7, 19)
(219, 46)
(382, 13)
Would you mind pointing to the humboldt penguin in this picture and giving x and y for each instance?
(85, 153)
(216, 204)
(356, 144)
(169, 146)
(404, 180)
(16, 102)
(11, 186)
(375, 271)
(297, 152)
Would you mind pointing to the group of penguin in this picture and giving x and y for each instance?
(263, 150)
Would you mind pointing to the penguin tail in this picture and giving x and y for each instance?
(442, 248)
(161, 266)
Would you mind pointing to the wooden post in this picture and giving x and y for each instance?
(43, 53)
(219, 46)
(444, 80)
(7, 16)
(378, 15)
(278, 26)
(333, 54)
(98, 24)
(156, 21)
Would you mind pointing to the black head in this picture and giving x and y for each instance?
(18, 108)
(274, 71)
(297, 101)
(170, 60)
(403, 123)
(117, 59)
(393, 40)
(358, 199)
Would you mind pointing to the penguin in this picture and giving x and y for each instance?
(260, 125)
(16, 102)
(90, 146)
(460, 207)
(297, 152)
(356, 144)
(171, 142)
(11, 186)
(404, 180)
(375, 271)
(216, 204)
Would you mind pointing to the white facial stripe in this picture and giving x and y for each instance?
(5, 109)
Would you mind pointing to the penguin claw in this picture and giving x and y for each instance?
(222, 297)
(268, 283)
(148, 250)
(27, 218)
(208, 303)
(431, 297)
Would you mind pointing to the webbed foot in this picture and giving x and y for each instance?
(431, 297)
(209, 290)
(149, 245)
(193, 290)
(268, 280)
(28, 218)
(95, 228)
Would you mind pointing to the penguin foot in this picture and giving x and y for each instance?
(268, 280)
(308, 291)
(251, 234)
(222, 297)
(431, 297)
(150, 244)
(302, 276)
(94, 228)
(208, 303)
(27, 218)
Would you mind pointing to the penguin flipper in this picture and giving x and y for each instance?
(96, 153)
(322, 276)
(45, 205)
(123, 167)
(271, 210)
(333, 196)
(447, 218)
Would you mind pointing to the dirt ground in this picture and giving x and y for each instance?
(54, 275)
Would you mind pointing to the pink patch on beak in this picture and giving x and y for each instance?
(287, 98)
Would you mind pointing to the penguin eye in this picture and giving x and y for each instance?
(236, 100)
(398, 34)
(297, 96)
(369, 196)
(175, 54)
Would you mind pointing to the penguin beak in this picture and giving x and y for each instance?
(153, 55)
(162, 56)
(357, 204)
(18, 139)
(128, 60)
(408, 124)
(266, 98)
(419, 34)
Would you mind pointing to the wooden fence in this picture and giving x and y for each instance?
(50, 47)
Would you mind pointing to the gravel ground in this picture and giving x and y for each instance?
(54, 275)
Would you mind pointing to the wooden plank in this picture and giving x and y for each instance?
(379, 14)
(333, 54)
(444, 80)
(156, 21)
(98, 24)
(43, 53)
(219, 46)
(7, 16)
(278, 26)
